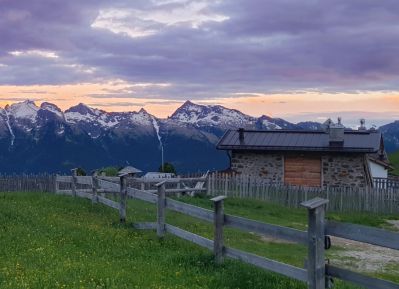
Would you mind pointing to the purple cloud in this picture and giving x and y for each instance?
(204, 48)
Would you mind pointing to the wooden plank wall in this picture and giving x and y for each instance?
(302, 171)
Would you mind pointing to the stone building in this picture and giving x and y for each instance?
(331, 157)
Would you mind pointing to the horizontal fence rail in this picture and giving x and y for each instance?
(274, 231)
(108, 202)
(196, 239)
(193, 211)
(359, 279)
(363, 234)
(268, 264)
(144, 196)
(317, 271)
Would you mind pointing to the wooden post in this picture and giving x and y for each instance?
(56, 185)
(122, 203)
(74, 180)
(178, 186)
(94, 181)
(207, 185)
(218, 244)
(316, 262)
(161, 209)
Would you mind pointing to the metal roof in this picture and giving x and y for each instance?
(128, 170)
(300, 140)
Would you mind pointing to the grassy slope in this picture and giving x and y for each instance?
(49, 241)
(394, 159)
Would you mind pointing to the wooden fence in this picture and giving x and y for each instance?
(386, 183)
(27, 183)
(384, 198)
(317, 273)
(341, 199)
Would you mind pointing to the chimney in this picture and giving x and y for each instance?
(241, 134)
(362, 124)
(336, 134)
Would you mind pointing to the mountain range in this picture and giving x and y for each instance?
(46, 139)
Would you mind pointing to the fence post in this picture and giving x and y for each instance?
(316, 262)
(207, 184)
(74, 181)
(178, 186)
(56, 185)
(122, 203)
(161, 209)
(94, 181)
(218, 244)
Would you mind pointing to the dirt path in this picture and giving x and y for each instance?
(363, 257)
(359, 256)
(394, 223)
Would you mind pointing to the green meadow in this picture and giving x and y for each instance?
(52, 241)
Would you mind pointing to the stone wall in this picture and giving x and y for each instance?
(344, 170)
(268, 166)
(337, 169)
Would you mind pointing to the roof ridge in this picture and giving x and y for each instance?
(319, 131)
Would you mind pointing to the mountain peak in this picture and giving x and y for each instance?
(26, 109)
(189, 103)
(47, 106)
(50, 106)
(143, 111)
(189, 106)
(81, 108)
(29, 102)
(211, 115)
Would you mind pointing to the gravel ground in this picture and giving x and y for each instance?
(363, 257)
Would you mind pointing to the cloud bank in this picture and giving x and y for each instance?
(201, 49)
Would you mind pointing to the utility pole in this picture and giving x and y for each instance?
(162, 166)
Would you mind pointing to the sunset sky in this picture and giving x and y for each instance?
(299, 60)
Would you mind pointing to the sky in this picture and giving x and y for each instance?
(299, 60)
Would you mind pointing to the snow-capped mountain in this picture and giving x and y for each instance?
(217, 119)
(46, 139)
(211, 115)
(267, 122)
(26, 110)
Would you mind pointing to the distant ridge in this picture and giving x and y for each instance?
(47, 139)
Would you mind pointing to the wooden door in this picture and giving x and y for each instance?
(302, 171)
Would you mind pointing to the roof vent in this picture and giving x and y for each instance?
(336, 134)
(362, 124)
(241, 134)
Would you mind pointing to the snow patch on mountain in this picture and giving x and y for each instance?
(52, 108)
(9, 127)
(23, 110)
(83, 113)
(142, 118)
(211, 115)
(269, 125)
